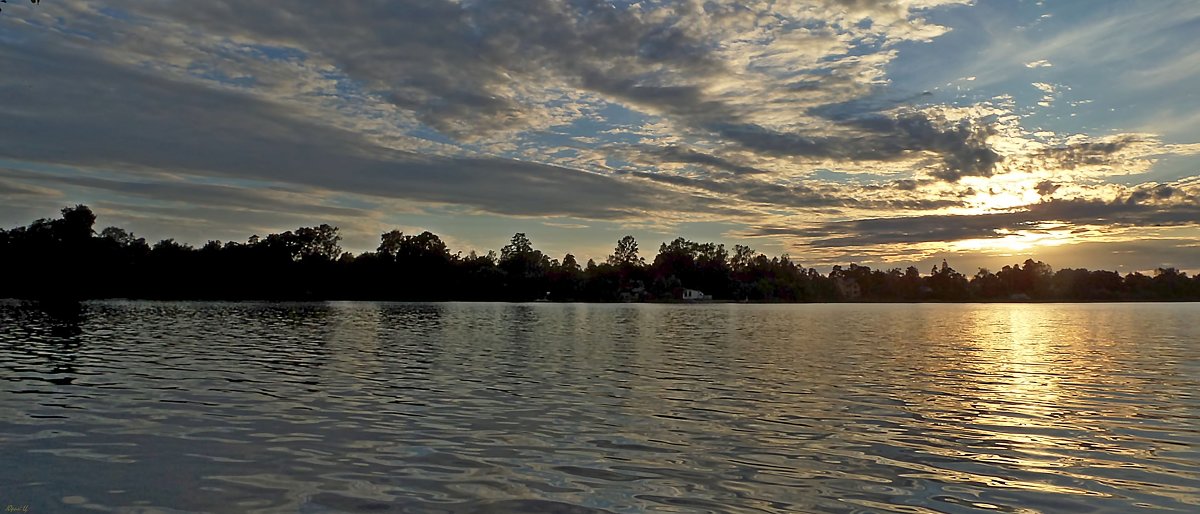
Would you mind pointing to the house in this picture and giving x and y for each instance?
(848, 289)
(694, 295)
(637, 293)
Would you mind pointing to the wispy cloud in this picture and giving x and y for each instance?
(738, 112)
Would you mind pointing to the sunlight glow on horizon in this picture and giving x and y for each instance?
(1012, 242)
(867, 131)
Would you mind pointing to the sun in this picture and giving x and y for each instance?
(996, 194)
(1010, 242)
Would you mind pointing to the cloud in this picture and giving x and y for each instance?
(961, 145)
(791, 117)
(1074, 155)
(681, 154)
(140, 122)
(469, 76)
(755, 192)
(1147, 205)
(827, 199)
(1047, 188)
(11, 190)
(472, 70)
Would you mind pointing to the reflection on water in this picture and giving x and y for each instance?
(168, 407)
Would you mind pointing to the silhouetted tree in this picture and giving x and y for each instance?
(569, 263)
(65, 258)
(626, 253)
(525, 268)
(947, 284)
(121, 237)
(566, 280)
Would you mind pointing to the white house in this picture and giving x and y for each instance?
(692, 294)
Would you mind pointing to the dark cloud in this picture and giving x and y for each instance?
(460, 66)
(1128, 211)
(1157, 192)
(683, 154)
(170, 189)
(794, 196)
(755, 191)
(962, 146)
(13, 189)
(87, 111)
(1046, 188)
(1087, 153)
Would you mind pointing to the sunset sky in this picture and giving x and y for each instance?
(885, 133)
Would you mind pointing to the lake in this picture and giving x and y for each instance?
(369, 407)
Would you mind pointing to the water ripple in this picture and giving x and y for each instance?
(363, 407)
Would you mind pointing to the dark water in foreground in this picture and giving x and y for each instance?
(170, 407)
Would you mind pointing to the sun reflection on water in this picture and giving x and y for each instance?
(625, 408)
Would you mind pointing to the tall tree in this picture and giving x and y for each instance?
(519, 245)
(626, 253)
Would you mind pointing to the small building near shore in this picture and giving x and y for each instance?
(848, 289)
(694, 295)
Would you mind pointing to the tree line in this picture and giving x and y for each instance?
(66, 258)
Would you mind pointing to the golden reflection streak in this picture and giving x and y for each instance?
(1019, 401)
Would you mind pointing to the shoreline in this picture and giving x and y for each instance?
(63, 301)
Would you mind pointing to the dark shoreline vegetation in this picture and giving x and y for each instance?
(65, 258)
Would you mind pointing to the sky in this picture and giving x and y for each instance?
(880, 132)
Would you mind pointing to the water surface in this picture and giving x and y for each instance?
(365, 407)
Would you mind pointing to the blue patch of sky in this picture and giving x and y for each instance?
(624, 4)
(617, 163)
(51, 171)
(9, 36)
(814, 24)
(928, 66)
(206, 72)
(985, 37)
(346, 89)
(943, 66)
(860, 46)
(115, 13)
(429, 134)
(842, 177)
(608, 116)
(243, 183)
(546, 140)
(619, 115)
(276, 53)
(79, 193)
(351, 202)
(564, 153)
(37, 166)
(257, 51)
(64, 28)
(1166, 169)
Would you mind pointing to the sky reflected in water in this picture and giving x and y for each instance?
(169, 407)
